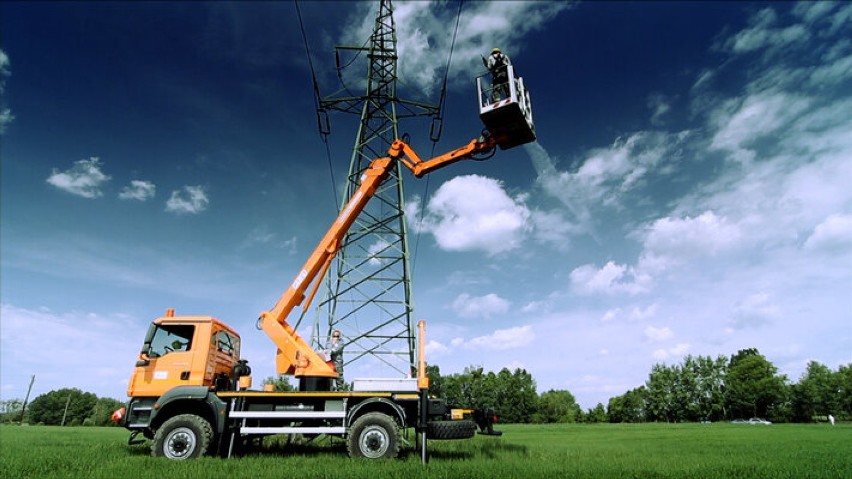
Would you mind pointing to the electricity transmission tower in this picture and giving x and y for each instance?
(368, 288)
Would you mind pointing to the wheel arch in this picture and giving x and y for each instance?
(382, 405)
(190, 400)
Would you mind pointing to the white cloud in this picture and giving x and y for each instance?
(677, 351)
(610, 279)
(190, 200)
(474, 213)
(467, 306)
(636, 313)
(139, 190)
(553, 228)
(435, 348)
(610, 315)
(832, 235)
(4, 65)
(6, 115)
(660, 106)
(669, 241)
(376, 250)
(834, 73)
(762, 36)
(740, 124)
(83, 179)
(604, 177)
(501, 339)
(537, 307)
(811, 11)
(755, 310)
(35, 341)
(639, 314)
(261, 235)
(425, 33)
(658, 334)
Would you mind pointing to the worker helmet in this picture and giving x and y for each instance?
(495, 50)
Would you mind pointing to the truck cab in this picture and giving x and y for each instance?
(185, 351)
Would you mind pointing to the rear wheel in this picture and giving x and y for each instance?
(182, 437)
(374, 436)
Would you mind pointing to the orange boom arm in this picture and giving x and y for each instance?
(295, 356)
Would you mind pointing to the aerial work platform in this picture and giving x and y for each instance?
(505, 109)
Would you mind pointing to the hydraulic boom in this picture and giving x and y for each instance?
(295, 356)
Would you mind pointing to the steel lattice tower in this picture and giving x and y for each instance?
(368, 288)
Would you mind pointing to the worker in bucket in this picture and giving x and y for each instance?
(334, 349)
(497, 64)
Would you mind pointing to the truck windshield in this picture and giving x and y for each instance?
(171, 337)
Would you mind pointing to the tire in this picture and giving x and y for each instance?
(374, 436)
(185, 436)
(450, 429)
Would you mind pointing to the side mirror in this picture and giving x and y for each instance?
(143, 359)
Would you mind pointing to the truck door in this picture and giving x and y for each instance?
(169, 352)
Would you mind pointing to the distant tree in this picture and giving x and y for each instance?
(516, 395)
(511, 394)
(816, 393)
(844, 391)
(700, 388)
(709, 397)
(280, 384)
(752, 385)
(467, 389)
(557, 407)
(663, 401)
(50, 408)
(690, 391)
(102, 412)
(436, 382)
(629, 407)
(596, 414)
(10, 410)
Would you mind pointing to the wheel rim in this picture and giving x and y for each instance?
(180, 443)
(374, 442)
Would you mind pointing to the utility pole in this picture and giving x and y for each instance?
(368, 288)
(67, 402)
(26, 399)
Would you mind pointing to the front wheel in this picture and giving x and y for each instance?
(374, 436)
(182, 437)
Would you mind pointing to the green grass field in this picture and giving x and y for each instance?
(525, 451)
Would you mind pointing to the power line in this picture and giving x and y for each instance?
(322, 115)
(435, 138)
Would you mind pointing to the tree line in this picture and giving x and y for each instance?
(699, 388)
(69, 407)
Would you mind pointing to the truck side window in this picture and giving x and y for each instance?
(226, 343)
(170, 338)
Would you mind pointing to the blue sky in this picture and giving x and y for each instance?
(690, 191)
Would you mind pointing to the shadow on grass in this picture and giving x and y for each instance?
(259, 446)
(139, 449)
(294, 445)
(489, 449)
(322, 446)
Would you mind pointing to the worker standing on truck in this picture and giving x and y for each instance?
(497, 64)
(334, 348)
